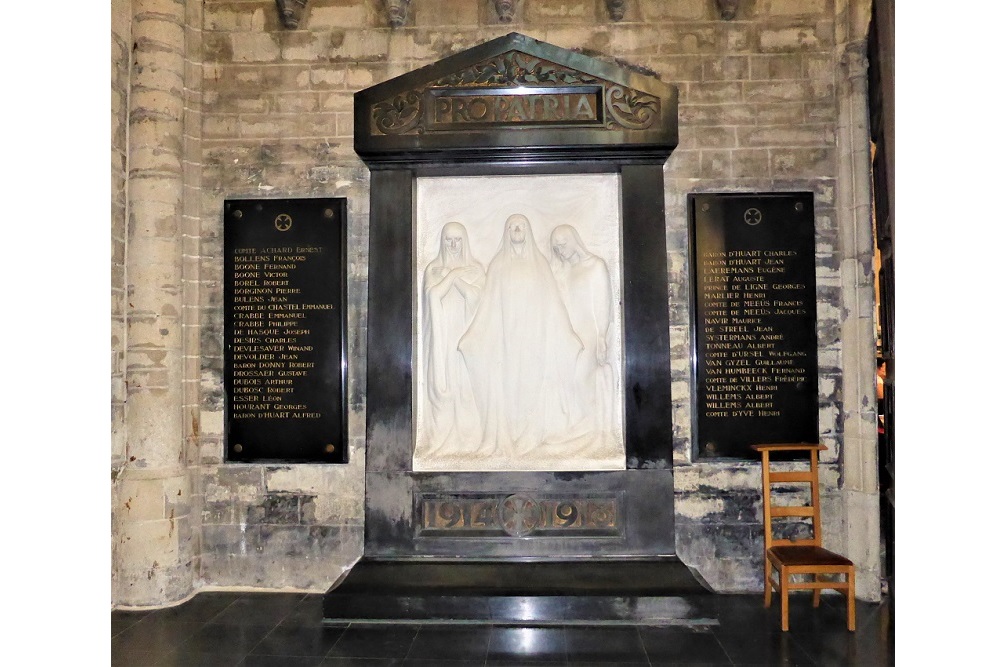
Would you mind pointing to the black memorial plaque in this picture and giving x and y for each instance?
(754, 320)
(285, 357)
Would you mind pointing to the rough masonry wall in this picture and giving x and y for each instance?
(120, 52)
(121, 39)
(758, 111)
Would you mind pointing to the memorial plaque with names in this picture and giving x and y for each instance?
(754, 286)
(285, 364)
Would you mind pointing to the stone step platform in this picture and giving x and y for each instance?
(538, 593)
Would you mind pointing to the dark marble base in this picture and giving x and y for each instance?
(585, 592)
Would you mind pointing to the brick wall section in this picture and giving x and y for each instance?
(758, 111)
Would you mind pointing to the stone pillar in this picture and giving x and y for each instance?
(854, 215)
(153, 554)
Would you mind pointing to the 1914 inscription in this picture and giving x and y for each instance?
(519, 515)
(284, 296)
(755, 311)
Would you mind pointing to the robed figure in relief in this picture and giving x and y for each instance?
(521, 351)
(451, 293)
(585, 286)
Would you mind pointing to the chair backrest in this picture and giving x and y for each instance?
(810, 477)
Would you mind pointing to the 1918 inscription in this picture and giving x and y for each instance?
(284, 330)
(519, 515)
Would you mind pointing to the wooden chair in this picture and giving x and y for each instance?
(800, 556)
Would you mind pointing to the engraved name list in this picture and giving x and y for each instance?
(755, 306)
(284, 347)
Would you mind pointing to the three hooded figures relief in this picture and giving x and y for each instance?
(519, 324)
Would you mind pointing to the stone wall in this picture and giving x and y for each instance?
(121, 39)
(766, 103)
(278, 118)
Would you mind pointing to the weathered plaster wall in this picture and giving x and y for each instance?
(768, 101)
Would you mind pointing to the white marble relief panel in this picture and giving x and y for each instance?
(518, 350)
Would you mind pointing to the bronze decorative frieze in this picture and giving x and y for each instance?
(515, 89)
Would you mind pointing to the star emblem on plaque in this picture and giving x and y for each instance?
(519, 515)
(283, 222)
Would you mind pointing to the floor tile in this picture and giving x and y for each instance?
(181, 658)
(228, 639)
(298, 641)
(128, 657)
(760, 646)
(281, 661)
(258, 630)
(154, 636)
(374, 641)
(259, 609)
(443, 663)
(308, 611)
(199, 609)
(866, 646)
(456, 643)
(122, 620)
(682, 645)
(509, 646)
(603, 644)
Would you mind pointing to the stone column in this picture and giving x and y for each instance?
(854, 215)
(153, 554)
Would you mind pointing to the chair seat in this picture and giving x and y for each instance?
(808, 555)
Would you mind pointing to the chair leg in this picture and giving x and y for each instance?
(850, 599)
(784, 600)
(817, 578)
(767, 584)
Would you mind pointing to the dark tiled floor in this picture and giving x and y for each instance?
(286, 630)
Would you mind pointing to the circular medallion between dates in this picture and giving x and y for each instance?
(752, 216)
(283, 222)
(519, 515)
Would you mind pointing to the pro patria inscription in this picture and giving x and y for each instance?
(450, 108)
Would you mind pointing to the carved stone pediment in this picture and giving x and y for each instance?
(517, 94)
